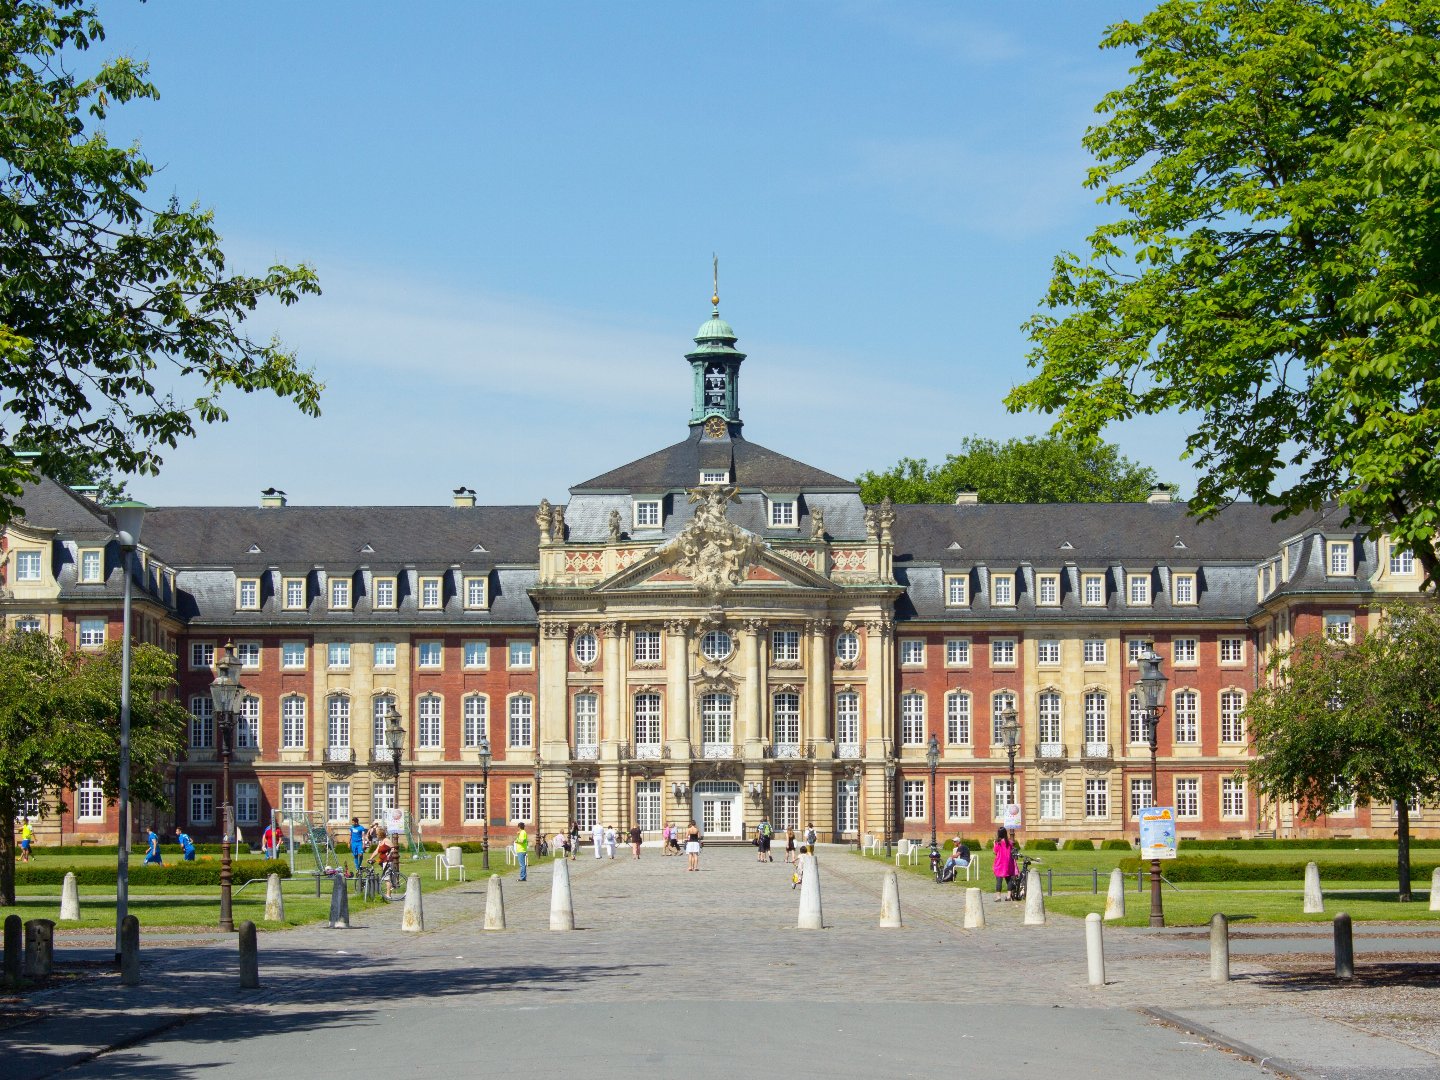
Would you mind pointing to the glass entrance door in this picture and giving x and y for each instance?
(717, 807)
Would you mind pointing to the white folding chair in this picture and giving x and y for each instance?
(448, 860)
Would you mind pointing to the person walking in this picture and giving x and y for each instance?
(760, 842)
(597, 834)
(665, 835)
(152, 850)
(635, 840)
(187, 846)
(789, 845)
(562, 845)
(1003, 864)
(574, 847)
(27, 839)
(270, 840)
(692, 847)
(357, 842)
(522, 851)
(611, 838)
(810, 838)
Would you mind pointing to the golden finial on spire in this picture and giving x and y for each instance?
(715, 269)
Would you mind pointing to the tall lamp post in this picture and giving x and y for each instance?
(485, 759)
(395, 742)
(1152, 688)
(225, 692)
(129, 518)
(889, 794)
(932, 756)
(1010, 733)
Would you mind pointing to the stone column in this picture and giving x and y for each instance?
(875, 732)
(612, 698)
(552, 709)
(677, 689)
(817, 719)
(752, 695)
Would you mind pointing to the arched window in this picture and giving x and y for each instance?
(717, 719)
(957, 718)
(1187, 716)
(585, 719)
(429, 723)
(1097, 716)
(647, 719)
(1049, 715)
(292, 722)
(337, 709)
(847, 718)
(785, 718)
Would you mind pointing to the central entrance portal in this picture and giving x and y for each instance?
(717, 808)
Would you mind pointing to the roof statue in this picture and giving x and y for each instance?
(711, 550)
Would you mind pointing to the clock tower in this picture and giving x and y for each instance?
(716, 366)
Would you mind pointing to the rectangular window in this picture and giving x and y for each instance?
(1139, 589)
(248, 653)
(520, 803)
(1097, 798)
(647, 513)
(89, 801)
(428, 654)
(1133, 648)
(202, 722)
(522, 655)
(1047, 590)
(1187, 797)
(337, 802)
(1003, 793)
(957, 652)
(476, 720)
(202, 802)
(1187, 716)
(1097, 717)
(1182, 589)
(1052, 801)
(384, 654)
(912, 652)
(340, 593)
(714, 476)
(477, 654)
(1232, 716)
(292, 723)
(645, 646)
(1338, 558)
(1047, 652)
(247, 724)
(430, 593)
(474, 801)
(1142, 795)
(1000, 703)
(522, 711)
(957, 590)
(429, 723)
(958, 805)
(647, 805)
(847, 805)
(247, 802)
(785, 718)
(782, 513)
(1186, 650)
(294, 594)
(957, 719)
(785, 804)
(1047, 715)
(27, 626)
(92, 633)
(27, 566)
(292, 655)
(385, 594)
(475, 593)
(1402, 563)
(1094, 651)
(646, 718)
(912, 719)
(1232, 797)
(202, 655)
(912, 799)
(847, 718)
(1232, 650)
(92, 565)
(338, 655)
(292, 799)
(1092, 587)
(785, 646)
(1136, 714)
(382, 798)
(1339, 627)
(1002, 590)
(427, 800)
(1002, 652)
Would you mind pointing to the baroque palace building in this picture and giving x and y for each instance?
(713, 632)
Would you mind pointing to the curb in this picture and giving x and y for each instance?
(1279, 1066)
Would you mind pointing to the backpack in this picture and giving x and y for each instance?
(766, 831)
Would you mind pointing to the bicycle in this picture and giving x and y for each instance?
(1020, 880)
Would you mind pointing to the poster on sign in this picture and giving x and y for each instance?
(1012, 815)
(395, 821)
(1157, 832)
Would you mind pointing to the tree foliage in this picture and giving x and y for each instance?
(1274, 271)
(101, 292)
(1035, 469)
(1339, 721)
(60, 724)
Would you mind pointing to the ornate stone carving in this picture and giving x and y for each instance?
(555, 630)
(614, 526)
(557, 523)
(752, 626)
(712, 551)
(885, 516)
(817, 524)
(677, 627)
(871, 530)
(611, 628)
(819, 626)
(542, 519)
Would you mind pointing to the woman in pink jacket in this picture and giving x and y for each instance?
(1003, 864)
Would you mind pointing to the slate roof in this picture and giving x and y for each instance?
(51, 505)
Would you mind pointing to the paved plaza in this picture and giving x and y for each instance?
(672, 973)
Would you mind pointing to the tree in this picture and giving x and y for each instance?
(60, 724)
(1035, 469)
(1360, 721)
(98, 288)
(1274, 272)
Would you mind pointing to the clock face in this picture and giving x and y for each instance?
(715, 427)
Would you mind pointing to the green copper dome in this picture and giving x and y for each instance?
(713, 329)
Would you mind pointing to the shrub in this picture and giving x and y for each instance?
(1042, 844)
(166, 845)
(1079, 845)
(179, 873)
(1115, 845)
(1221, 868)
(1265, 844)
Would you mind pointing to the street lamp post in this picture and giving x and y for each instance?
(1010, 732)
(225, 692)
(485, 800)
(889, 794)
(395, 742)
(129, 518)
(1152, 687)
(932, 756)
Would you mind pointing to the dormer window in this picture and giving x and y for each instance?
(294, 594)
(27, 566)
(783, 513)
(957, 590)
(92, 565)
(1182, 588)
(1047, 590)
(475, 592)
(647, 513)
(1139, 589)
(1338, 558)
(247, 594)
(1002, 590)
(340, 594)
(430, 593)
(714, 476)
(385, 594)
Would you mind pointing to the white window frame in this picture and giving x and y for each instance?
(337, 802)
(1339, 558)
(1235, 645)
(1002, 652)
(959, 718)
(912, 799)
(1094, 651)
(647, 513)
(646, 647)
(1092, 590)
(847, 646)
(1137, 590)
(202, 655)
(90, 632)
(1185, 651)
(520, 654)
(1047, 652)
(429, 722)
(248, 653)
(782, 512)
(430, 800)
(1097, 798)
(1184, 589)
(959, 799)
(1002, 590)
(384, 661)
(1183, 807)
(521, 802)
(429, 655)
(957, 652)
(477, 593)
(247, 723)
(431, 592)
(847, 718)
(475, 654)
(1232, 716)
(1185, 709)
(339, 594)
(29, 565)
(293, 722)
(1049, 716)
(289, 655)
(292, 798)
(714, 476)
(912, 718)
(912, 652)
(337, 656)
(1232, 797)
(586, 648)
(1052, 799)
(202, 802)
(1142, 796)
(1002, 793)
(385, 593)
(247, 802)
(645, 719)
(91, 575)
(1402, 563)
(474, 802)
(784, 646)
(520, 721)
(475, 723)
(202, 722)
(957, 590)
(89, 800)
(1340, 626)
(1047, 590)
(293, 591)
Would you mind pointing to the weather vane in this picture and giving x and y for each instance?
(715, 269)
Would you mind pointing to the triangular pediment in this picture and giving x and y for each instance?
(767, 570)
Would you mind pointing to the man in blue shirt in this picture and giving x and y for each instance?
(187, 846)
(152, 849)
(357, 841)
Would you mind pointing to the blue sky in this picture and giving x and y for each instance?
(512, 209)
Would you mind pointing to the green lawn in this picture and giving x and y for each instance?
(1193, 906)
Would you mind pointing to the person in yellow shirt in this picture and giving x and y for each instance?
(27, 838)
(522, 851)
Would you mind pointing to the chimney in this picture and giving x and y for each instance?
(87, 491)
(464, 496)
(1160, 494)
(967, 498)
(272, 497)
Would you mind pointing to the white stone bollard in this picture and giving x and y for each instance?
(1435, 889)
(69, 899)
(1095, 948)
(1034, 900)
(1314, 898)
(412, 919)
(1219, 948)
(889, 901)
(339, 904)
(1115, 898)
(812, 916)
(562, 907)
(494, 905)
(974, 909)
(274, 899)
